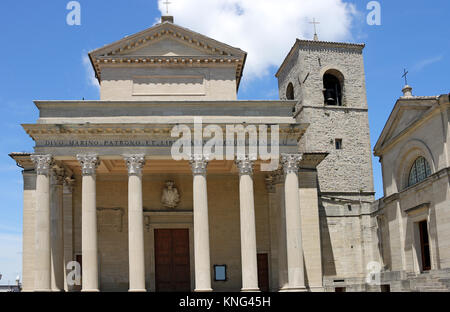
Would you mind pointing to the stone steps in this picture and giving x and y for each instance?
(433, 281)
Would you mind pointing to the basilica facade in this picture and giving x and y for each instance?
(107, 206)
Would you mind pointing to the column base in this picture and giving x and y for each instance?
(203, 290)
(137, 290)
(293, 289)
(316, 289)
(90, 290)
(250, 290)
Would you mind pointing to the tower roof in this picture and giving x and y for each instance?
(299, 43)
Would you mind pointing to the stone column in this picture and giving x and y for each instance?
(275, 189)
(201, 225)
(42, 265)
(68, 227)
(248, 227)
(135, 163)
(296, 275)
(89, 244)
(57, 228)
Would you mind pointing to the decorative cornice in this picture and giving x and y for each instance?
(417, 208)
(291, 163)
(199, 164)
(35, 130)
(135, 163)
(245, 165)
(89, 164)
(42, 163)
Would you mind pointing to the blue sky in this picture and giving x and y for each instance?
(42, 58)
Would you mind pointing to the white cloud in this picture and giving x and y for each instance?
(266, 29)
(90, 74)
(426, 62)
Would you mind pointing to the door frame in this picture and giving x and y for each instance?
(151, 231)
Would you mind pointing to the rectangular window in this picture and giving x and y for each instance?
(338, 143)
(220, 273)
(339, 289)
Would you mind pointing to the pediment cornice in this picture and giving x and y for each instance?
(210, 50)
(425, 107)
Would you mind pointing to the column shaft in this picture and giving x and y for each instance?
(57, 230)
(135, 224)
(296, 276)
(89, 244)
(42, 266)
(43, 246)
(248, 227)
(201, 227)
(281, 224)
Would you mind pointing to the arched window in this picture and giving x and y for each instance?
(420, 170)
(332, 89)
(290, 92)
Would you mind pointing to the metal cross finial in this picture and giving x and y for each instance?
(405, 76)
(315, 23)
(167, 5)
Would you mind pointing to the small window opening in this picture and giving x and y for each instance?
(290, 92)
(338, 143)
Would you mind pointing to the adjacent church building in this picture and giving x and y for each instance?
(106, 207)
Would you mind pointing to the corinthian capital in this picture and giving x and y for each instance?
(291, 163)
(89, 164)
(199, 163)
(245, 165)
(135, 163)
(42, 163)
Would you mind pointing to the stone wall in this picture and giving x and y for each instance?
(168, 84)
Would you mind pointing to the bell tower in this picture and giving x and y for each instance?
(326, 82)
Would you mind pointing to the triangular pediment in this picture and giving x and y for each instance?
(405, 115)
(164, 37)
(405, 118)
(169, 44)
(168, 47)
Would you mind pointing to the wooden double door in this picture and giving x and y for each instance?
(172, 260)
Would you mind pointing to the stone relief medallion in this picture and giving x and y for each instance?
(170, 196)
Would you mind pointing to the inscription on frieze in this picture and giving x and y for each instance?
(104, 143)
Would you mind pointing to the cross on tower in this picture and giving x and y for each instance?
(167, 6)
(315, 29)
(405, 76)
